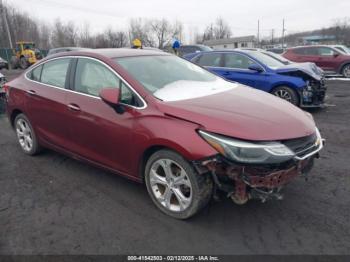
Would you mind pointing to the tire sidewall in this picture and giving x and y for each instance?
(196, 198)
(343, 70)
(35, 149)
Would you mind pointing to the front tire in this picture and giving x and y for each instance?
(26, 135)
(346, 71)
(286, 93)
(174, 186)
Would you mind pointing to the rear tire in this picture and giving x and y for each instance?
(346, 71)
(174, 186)
(26, 135)
(286, 93)
(23, 64)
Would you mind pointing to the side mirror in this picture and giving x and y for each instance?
(336, 54)
(255, 67)
(110, 95)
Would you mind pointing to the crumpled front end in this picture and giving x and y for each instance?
(242, 182)
(314, 94)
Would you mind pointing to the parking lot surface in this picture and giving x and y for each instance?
(51, 204)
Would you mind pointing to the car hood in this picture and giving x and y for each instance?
(244, 113)
(310, 69)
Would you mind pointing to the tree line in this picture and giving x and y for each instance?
(153, 32)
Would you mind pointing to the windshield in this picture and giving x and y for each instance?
(278, 57)
(266, 60)
(170, 78)
(156, 72)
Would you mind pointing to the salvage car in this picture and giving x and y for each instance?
(158, 119)
(300, 84)
(330, 59)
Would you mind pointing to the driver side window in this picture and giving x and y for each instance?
(237, 61)
(91, 77)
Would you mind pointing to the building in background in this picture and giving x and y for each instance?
(319, 39)
(231, 43)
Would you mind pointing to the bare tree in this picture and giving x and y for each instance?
(141, 29)
(162, 31)
(221, 29)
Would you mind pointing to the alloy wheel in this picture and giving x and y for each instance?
(284, 95)
(24, 134)
(170, 185)
(346, 71)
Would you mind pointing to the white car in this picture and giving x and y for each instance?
(2, 80)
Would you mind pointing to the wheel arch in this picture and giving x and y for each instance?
(13, 116)
(293, 87)
(150, 150)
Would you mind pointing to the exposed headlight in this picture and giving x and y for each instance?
(246, 152)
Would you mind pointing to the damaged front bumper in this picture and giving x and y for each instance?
(242, 182)
(314, 94)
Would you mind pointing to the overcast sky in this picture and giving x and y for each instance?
(241, 15)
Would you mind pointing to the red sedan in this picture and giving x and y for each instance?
(156, 118)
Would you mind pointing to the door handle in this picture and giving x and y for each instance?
(73, 107)
(31, 92)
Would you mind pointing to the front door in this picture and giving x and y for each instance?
(236, 68)
(98, 132)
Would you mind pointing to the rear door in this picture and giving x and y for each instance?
(99, 132)
(307, 54)
(46, 100)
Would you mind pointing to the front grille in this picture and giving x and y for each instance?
(302, 146)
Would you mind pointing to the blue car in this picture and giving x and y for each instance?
(299, 83)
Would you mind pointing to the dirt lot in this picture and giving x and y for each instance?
(51, 204)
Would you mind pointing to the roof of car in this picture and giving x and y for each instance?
(124, 52)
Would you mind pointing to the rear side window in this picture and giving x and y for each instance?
(212, 59)
(54, 72)
(306, 51)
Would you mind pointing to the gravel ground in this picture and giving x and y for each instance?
(51, 204)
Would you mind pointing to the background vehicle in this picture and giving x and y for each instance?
(3, 63)
(300, 84)
(3, 80)
(158, 119)
(330, 59)
(189, 49)
(65, 49)
(25, 55)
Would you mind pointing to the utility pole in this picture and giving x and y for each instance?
(272, 35)
(283, 31)
(2, 11)
(258, 33)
